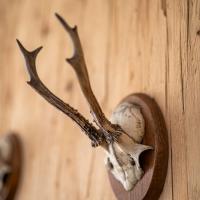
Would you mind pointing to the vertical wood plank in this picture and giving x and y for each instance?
(192, 99)
(177, 47)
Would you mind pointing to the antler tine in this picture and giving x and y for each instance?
(77, 61)
(95, 136)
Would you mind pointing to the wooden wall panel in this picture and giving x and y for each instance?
(149, 46)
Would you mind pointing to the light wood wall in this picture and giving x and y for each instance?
(149, 46)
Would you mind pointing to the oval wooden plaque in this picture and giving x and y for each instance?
(155, 162)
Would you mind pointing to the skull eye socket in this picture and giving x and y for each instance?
(109, 164)
(132, 162)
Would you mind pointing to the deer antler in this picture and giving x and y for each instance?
(107, 132)
(77, 61)
(95, 136)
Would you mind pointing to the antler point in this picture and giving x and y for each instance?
(21, 47)
(26, 52)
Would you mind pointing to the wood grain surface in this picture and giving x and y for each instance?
(149, 46)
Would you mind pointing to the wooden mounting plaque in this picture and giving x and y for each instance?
(153, 162)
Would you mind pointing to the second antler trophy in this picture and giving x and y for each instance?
(136, 125)
(11, 157)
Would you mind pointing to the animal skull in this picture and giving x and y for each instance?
(122, 158)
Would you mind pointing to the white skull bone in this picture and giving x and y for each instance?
(122, 158)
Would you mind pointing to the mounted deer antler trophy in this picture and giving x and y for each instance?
(10, 165)
(136, 126)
